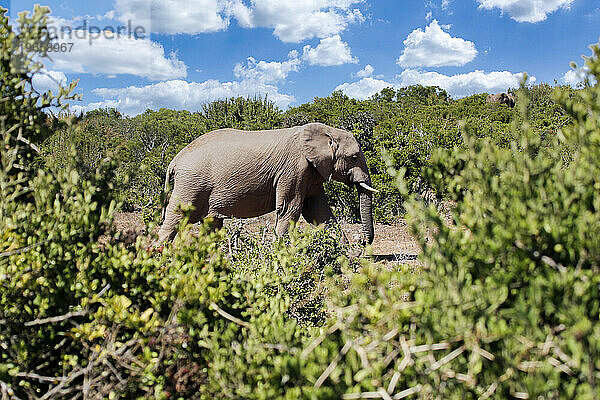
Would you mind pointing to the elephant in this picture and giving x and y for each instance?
(232, 173)
(502, 98)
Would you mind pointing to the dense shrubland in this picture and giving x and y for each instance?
(506, 305)
(407, 124)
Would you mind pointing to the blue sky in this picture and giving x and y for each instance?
(196, 51)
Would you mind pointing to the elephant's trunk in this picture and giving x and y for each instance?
(366, 214)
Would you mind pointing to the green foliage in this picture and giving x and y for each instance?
(411, 96)
(516, 274)
(313, 256)
(544, 113)
(21, 106)
(239, 113)
(81, 312)
(182, 323)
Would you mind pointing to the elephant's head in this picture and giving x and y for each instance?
(502, 98)
(336, 154)
(508, 99)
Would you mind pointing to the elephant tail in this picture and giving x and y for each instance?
(167, 190)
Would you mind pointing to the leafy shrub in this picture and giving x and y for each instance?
(239, 113)
(22, 118)
(506, 305)
(517, 273)
(313, 255)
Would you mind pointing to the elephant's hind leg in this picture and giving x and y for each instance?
(173, 216)
(168, 229)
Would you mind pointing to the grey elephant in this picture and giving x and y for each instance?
(502, 98)
(232, 173)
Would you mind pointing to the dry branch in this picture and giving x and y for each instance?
(228, 316)
(59, 318)
(363, 395)
(23, 249)
(333, 364)
(446, 359)
(313, 345)
(407, 392)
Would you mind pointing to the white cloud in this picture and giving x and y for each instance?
(330, 51)
(266, 72)
(108, 15)
(364, 88)
(435, 48)
(575, 77)
(445, 4)
(46, 80)
(109, 53)
(175, 16)
(366, 71)
(179, 94)
(526, 10)
(254, 78)
(77, 109)
(298, 20)
(291, 21)
(457, 86)
(462, 85)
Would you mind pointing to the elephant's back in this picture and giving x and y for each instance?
(224, 151)
(229, 139)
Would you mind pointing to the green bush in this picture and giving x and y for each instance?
(517, 272)
(247, 114)
(81, 313)
(22, 115)
(507, 303)
(314, 256)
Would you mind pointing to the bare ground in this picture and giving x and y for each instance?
(393, 244)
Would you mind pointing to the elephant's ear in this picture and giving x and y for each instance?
(319, 148)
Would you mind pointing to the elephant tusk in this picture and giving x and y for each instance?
(367, 187)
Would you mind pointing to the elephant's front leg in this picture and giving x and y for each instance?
(316, 211)
(288, 208)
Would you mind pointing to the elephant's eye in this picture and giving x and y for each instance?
(355, 157)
